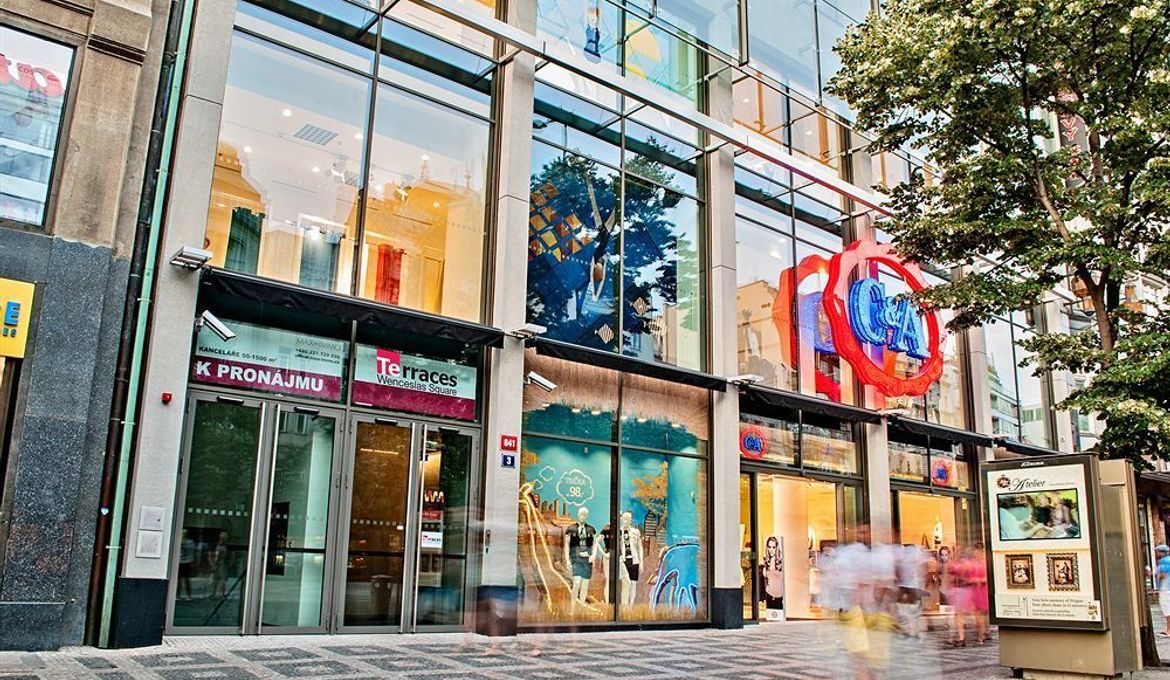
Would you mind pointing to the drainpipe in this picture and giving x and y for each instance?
(136, 317)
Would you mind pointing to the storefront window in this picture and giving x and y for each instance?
(591, 550)
(424, 229)
(291, 163)
(946, 529)
(769, 440)
(828, 446)
(34, 77)
(595, 230)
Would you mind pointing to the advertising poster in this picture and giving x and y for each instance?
(395, 380)
(772, 578)
(271, 360)
(1043, 557)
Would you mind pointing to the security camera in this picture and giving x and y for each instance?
(534, 378)
(746, 379)
(218, 327)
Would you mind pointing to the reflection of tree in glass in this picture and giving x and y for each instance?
(576, 205)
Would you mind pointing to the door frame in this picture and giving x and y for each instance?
(408, 604)
(263, 526)
(177, 521)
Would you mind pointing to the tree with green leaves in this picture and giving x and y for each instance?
(1046, 124)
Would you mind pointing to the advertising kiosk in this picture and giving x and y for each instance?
(1056, 526)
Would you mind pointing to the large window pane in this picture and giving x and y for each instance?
(34, 75)
(782, 41)
(821, 370)
(828, 446)
(564, 508)
(661, 537)
(715, 22)
(1034, 406)
(424, 233)
(288, 168)
(945, 399)
(664, 415)
(776, 441)
(663, 276)
(573, 248)
(1001, 379)
(765, 334)
(583, 405)
(908, 462)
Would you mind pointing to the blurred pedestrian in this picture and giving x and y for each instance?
(1162, 573)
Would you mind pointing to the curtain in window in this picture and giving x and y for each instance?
(389, 281)
(319, 253)
(243, 252)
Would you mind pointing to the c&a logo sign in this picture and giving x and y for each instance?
(860, 314)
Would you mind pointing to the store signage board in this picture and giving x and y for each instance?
(1044, 548)
(16, 306)
(271, 360)
(403, 382)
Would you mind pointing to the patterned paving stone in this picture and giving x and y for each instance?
(178, 659)
(210, 673)
(95, 663)
(358, 650)
(411, 663)
(314, 668)
(275, 654)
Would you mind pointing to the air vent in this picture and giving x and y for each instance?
(315, 135)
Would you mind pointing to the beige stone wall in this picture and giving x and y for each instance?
(104, 140)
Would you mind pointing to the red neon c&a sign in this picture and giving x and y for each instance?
(861, 315)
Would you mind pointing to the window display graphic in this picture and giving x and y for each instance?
(568, 545)
(1044, 548)
(33, 77)
(271, 360)
(394, 380)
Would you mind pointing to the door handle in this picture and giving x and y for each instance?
(385, 421)
(228, 400)
(307, 410)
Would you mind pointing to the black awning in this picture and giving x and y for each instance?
(619, 362)
(256, 289)
(760, 400)
(1026, 449)
(937, 431)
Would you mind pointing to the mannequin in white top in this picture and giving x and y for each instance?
(578, 546)
(629, 540)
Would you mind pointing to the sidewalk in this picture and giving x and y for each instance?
(789, 651)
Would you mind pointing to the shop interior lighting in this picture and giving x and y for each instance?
(190, 257)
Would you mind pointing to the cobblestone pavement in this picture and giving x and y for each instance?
(789, 650)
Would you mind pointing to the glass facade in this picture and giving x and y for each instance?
(34, 83)
(1020, 402)
(333, 179)
(613, 498)
(616, 235)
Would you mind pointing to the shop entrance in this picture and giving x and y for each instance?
(298, 518)
(788, 526)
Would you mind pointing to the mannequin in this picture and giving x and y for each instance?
(630, 556)
(578, 546)
(601, 556)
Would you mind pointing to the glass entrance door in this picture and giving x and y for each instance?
(254, 548)
(405, 566)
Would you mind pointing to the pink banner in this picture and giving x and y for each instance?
(415, 401)
(266, 378)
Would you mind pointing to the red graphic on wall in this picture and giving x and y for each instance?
(792, 333)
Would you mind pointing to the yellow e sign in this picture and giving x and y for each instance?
(16, 300)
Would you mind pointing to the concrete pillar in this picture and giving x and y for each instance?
(497, 593)
(726, 591)
(1060, 382)
(159, 425)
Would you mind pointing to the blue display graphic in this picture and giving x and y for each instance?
(886, 321)
(678, 578)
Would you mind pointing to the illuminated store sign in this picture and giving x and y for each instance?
(394, 380)
(854, 318)
(862, 314)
